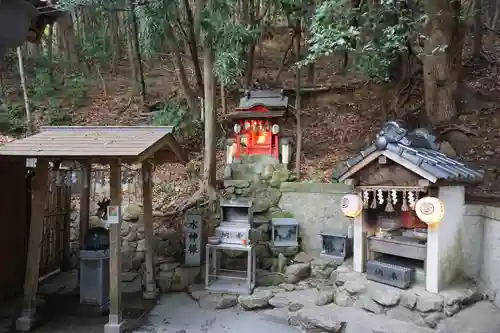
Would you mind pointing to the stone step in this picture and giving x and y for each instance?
(333, 318)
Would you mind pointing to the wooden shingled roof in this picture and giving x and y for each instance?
(129, 143)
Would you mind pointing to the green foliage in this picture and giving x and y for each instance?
(16, 119)
(54, 115)
(152, 22)
(76, 87)
(41, 84)
(176, 115)
(291, 8)
(228, 62)
(376, 35)
(228, 39)
(44, 84)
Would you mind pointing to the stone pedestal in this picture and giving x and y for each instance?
(113, 328)
(444, 250)
(26, 322)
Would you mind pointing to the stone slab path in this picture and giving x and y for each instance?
(179, 313)
(482, 317)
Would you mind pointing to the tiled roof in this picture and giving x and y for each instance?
(418, 148)
(272, 99)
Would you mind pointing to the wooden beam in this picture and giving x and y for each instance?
(165, 156)
(40, 188)
(84, 207)
(115, 323)
(367, 160)
(410, 166)
(147, 204)
(423, 182)
(351, 182)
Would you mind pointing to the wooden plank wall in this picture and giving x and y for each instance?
(14, 227)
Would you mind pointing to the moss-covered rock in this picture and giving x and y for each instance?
(281, 214)
(236, 183)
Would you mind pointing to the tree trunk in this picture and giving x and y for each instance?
(209, 166)
(137, 52)
(478, 29)
(116, 50)
(198, 9)
(24, 88)
(50, 51)
(65, 24)
(193, 45)
(34, 50)
(247, 82)
(298, 129)
(181, 72)
(131, 56)
(223, 98)
(442, 60)
(247, 78)
(311, 79)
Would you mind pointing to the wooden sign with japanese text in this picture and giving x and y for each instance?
(193, 231)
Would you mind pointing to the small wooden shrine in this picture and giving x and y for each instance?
(256, 126)
(407, 203)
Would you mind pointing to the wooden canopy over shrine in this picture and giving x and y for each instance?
(111, 145)
(98, 144)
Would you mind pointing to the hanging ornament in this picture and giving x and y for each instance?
(411, 200)
(416, 199)
(388, 207)
(394, 197)
(351, 205)
(374, 201)
(404, 204)
(366, 198)
(430, 210)
(380, 197)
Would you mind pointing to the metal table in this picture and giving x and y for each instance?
(226, 280)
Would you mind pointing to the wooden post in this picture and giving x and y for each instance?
(40, 189)
(84, 203)
(147, 187)
(359, 242)
(64, 198)
(84, 207)
(115, 323)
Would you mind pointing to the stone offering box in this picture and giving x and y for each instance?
(233, 233)
(284, 232)
(335, 246)
(236, 211)
(236, 217)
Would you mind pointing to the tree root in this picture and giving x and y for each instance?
(199, 199)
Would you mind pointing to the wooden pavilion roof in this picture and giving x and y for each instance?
(99, 144)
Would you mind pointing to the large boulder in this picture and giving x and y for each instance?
(296, 272)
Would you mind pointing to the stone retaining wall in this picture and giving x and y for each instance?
(167, 246)
(317, 209)
(259, 179)
(481, 247)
